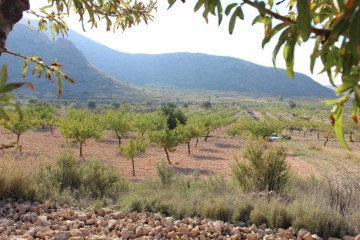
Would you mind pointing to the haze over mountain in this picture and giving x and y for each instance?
(90, 82)
(197, 71)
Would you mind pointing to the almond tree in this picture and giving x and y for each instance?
(17, 124)
(133, 148)
(118, 121)
(42, 114)
(167, 139)
(79, 126)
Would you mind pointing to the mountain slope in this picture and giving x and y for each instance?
(198, 71)
(90, 82)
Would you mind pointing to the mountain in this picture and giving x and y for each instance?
(198, 71)
(90, 82)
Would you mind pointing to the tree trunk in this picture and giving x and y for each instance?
(51, 129)
(10, 13)
(133, 167)
(119, 137)
(351, 138)
(318, 136)
(81, 148)
(197, 141)
(207, 136)
(18, 139)
(167, 155)
(188, 144)
(327, 139)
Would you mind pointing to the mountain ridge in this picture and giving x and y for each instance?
(90, 82)
(197, 71)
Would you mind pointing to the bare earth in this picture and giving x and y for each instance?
(210, 157)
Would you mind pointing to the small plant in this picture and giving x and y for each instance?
(165, 172)
(265, 168)
(132, 149)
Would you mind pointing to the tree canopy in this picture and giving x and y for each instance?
(332, 26)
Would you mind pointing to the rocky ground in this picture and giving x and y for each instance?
(25, 220)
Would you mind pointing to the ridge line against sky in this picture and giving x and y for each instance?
(179, 29)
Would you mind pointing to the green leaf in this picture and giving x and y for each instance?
(338, 127)
(171, 3)
(4, 76)
(198, 5)
(314, 54)
(59, 85)
(304, 18)
(232, 22)
(229, 7)
(288, 53)
(240, 13)
(272, 32)
(220, 12)
(282, 39)
(3, 114)
(345, 86)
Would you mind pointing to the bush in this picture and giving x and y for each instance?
(165, 172)
(265, 168)
(99, 179)
(16, 180)
(93, 178)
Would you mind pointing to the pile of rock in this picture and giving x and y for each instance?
(40, 221)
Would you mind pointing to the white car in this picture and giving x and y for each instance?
(274, 137)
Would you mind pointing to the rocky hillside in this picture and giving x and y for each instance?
(198, 71)
(25, 220)
(91, 83)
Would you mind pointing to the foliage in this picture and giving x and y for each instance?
(17, 124)
(118, 121)
(254, 128)
(80, 125)
(188, 132)
(91, 104)
(165, 173)
(93, 178)
(167, 139)
(206, 105)
(265, 168)
(133, 148)
(173, 115)
(5, 89)
(148, 122)
(333, 24)
(41, 113)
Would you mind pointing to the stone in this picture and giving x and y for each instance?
(139, 231)
(316, 237)
(346, 237)
(112, 224)
(169, 223)
(302, 232)
(75, 233)
(195, 231)
(202, 237)
(218, 225)
(253, 228)
(125, 233)
(42, 221)
(308, 236)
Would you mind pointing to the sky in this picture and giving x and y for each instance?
(179, 29)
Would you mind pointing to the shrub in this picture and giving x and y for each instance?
(242, 212)
(94, 178)
(16, 180)
(165, 172)
(101, 180)
(265, 168)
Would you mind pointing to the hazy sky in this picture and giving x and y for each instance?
(181, 30)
